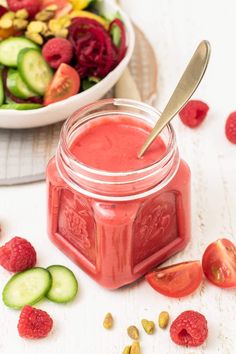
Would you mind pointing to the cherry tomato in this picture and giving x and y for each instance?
(8, 32)
(64, 7)
(177, 280)
(65, 83)
(219, 263)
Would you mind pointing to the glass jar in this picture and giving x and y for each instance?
(118, 225)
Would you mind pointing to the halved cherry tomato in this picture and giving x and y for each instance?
(65, 83)
(177, 280)
(219, 263)
(8, 32)
(64, 7)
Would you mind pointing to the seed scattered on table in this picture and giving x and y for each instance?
(163, 320)
(133, 332)
(148, 326)
(135, 348)
(127, 350)
(108, 321)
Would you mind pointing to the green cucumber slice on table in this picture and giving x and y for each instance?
(64, 284)
(34, 70)
(17, 86)
(2, 95)
(26, 288)
(21, 106)
(11, 47)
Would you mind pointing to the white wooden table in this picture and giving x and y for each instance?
(174, 28)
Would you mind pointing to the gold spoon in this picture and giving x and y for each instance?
(187, 85)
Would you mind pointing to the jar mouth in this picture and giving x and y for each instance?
(82, 115)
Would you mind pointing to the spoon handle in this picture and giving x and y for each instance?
(187, 85)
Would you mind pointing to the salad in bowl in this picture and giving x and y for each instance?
(57, 55)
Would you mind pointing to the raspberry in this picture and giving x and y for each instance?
(230, 128)
(193, 113)
(17, 255)
(189, 329)
(34, 323)
(31, 6)
(57, 51)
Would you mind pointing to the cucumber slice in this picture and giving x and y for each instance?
(64, 284)
(116, 35)
(8, 101)
(11, 47)
(17, 86)
(26, 288)
(34, 70)
(2, 95)
(21, 106)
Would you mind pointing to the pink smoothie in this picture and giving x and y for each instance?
(113, 144)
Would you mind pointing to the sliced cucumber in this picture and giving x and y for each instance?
(26, 288)
(17, 86)
(89, 82)
(21, 106)
(8, 100)
(116, 35)
(34, 70)
(2, 95)
(64, 284)
(11, 47)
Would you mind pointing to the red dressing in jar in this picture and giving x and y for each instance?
(115, 215)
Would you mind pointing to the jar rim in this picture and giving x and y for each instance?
(116, 102)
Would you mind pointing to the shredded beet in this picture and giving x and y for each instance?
(122, 45)
(3, 10)
(34, 99)
(96, 54)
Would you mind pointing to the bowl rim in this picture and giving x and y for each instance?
(59, 105)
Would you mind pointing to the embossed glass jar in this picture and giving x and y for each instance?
(118, 226)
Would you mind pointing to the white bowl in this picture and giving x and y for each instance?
(59, 111)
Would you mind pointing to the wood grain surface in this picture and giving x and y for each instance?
(174, 28)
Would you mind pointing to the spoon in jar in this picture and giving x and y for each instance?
(187, 85)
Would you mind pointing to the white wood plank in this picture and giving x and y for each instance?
(174, 27)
